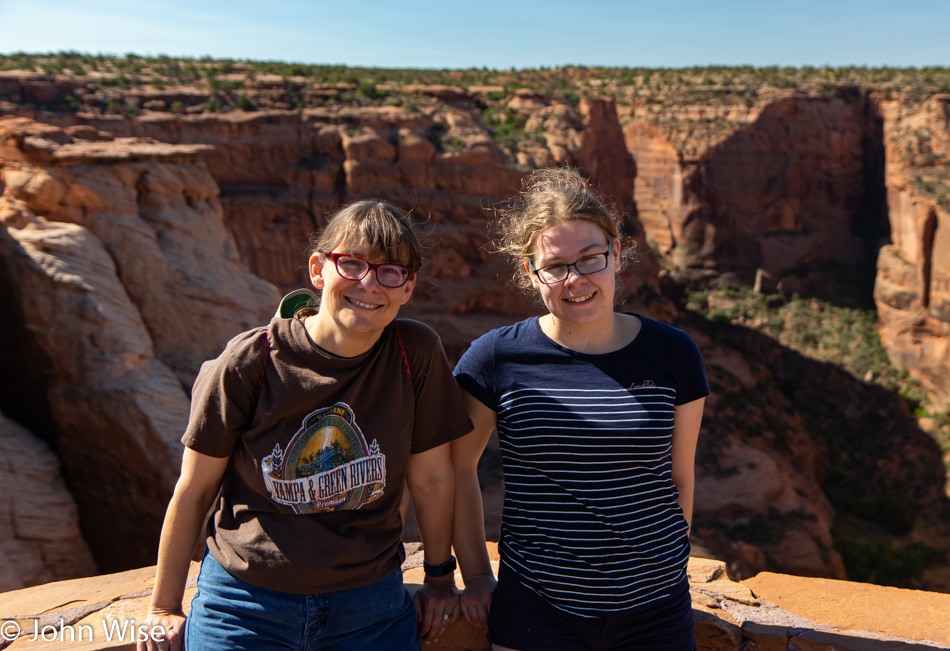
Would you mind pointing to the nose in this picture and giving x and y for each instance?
(574, 276)
(369, 282)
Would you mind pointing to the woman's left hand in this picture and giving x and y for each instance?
(437, 606)
(475, 600)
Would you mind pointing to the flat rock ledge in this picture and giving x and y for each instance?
(769, 612)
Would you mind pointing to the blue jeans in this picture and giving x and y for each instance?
(228, 613)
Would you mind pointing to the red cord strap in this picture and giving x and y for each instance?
(402, 348)
(260, 383)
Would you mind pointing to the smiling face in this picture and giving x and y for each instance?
(578, 299)
(353, 313)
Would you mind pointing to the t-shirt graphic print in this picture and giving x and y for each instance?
(327, 466)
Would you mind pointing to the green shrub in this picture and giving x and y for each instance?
(245, 104)
(885, 564)
(507, 127)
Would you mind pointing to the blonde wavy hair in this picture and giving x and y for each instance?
(551, 196)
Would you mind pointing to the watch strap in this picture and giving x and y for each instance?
(440, 570)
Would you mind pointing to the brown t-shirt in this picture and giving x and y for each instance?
(318, 460)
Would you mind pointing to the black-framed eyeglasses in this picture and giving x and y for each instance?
(353, 267)
(589, 264)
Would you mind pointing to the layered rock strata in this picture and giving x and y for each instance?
(739, 185)
(115, 259)
(40, 541)
(727, 193)
(773, 191)
(282, 173)
(912, 290)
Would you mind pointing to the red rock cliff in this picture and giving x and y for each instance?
(732, 193)
(913, 281)
(115, 259)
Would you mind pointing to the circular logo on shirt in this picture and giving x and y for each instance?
(327, 466)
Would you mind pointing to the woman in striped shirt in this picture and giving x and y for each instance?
(598, 414)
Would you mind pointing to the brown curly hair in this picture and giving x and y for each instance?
(550, 196)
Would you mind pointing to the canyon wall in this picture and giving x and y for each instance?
(282, 173)
(786, 194)
(121, 280)
(787, 191)
(40, 541)
(780, 193)
(913, 271)
(807, 190)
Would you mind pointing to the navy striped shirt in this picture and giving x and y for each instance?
(590, 517)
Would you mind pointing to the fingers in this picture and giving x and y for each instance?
(445, 620)
(475, 609)
(166, 633)
(418, 606)
(425, 612)
(468, 609)
(439, 625)
(476, 600)
(450, 613)
(439, 611)
(480, 615)
(428, 621)
(442, 615)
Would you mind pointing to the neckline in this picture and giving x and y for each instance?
(536, 323)
(330, 355)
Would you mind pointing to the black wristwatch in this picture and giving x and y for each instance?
(440, 570)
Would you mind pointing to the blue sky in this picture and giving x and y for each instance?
(493, 33)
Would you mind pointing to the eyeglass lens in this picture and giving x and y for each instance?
(388, 275)
(586, 265)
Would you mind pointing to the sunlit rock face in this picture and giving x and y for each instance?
(767, 194)
(40, 541)
(115, 260)
(913, 281)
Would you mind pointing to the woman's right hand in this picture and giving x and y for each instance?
(164, 631)
(196, 489)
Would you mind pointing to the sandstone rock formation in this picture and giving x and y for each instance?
(768, 612)
(727, 193)
(114, 259)
(913, 281)
(40, 540)
(754, 506)
(783, 191)
(771, 194)
(282, 173)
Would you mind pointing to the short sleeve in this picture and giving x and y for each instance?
(692, 373)
(440, 414)
(475, 372)
(224, 395)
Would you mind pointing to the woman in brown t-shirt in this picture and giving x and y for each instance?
(302, 435)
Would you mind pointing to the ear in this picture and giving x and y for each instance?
(615, 256)
(532, 276)
(407, 293)
(315, 266)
